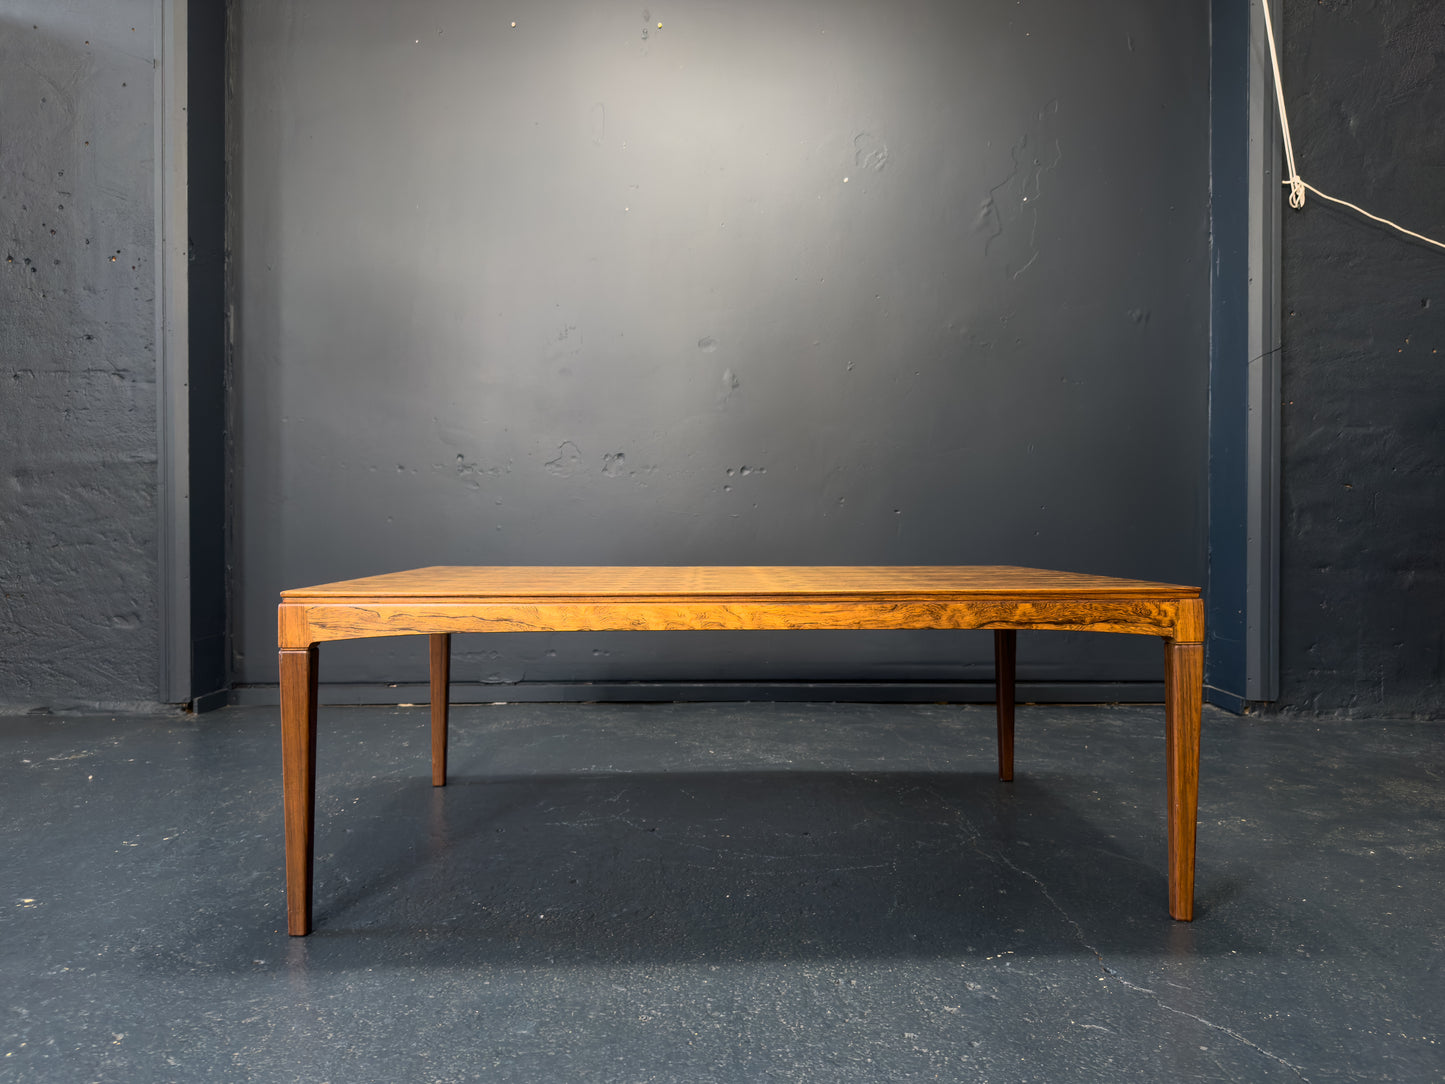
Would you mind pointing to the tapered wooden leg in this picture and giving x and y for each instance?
(1183, 697)
(298, 781)
(441, 672)
(1005, 654)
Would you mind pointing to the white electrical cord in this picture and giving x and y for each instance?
(1297, 186)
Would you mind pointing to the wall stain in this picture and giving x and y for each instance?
(567, 463)
(730, 384)
(473, 474)
(1011, 207)
(870, 152)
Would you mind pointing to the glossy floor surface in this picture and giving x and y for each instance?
(741, 892)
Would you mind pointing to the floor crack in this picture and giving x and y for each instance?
(1114, 974)
(1227, 1031)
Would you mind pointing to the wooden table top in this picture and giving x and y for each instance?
(736, 581)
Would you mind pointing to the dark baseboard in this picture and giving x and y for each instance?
(213, 700)
(621, 692)
(1220, 698)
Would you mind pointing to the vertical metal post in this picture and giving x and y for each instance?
(172, 355)
(1266, 196)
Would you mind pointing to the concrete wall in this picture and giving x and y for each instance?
(917, 282)
(78, 570)
(1363, 563)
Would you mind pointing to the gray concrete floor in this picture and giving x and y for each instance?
(743, 892)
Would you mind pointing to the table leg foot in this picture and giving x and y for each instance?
(298, 781)
(441, 664)
(1183, 695)
(1005, 654)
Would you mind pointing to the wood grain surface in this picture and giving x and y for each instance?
(448, 599)
(1183, 704)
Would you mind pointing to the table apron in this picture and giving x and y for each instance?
(302, 623)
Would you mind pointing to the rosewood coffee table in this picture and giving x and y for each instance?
(442, 600)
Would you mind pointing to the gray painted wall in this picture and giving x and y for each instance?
(1364, 363)
(810, 282)
(1363, 452)
(78, 618)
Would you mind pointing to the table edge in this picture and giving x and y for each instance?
(1110, 587)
